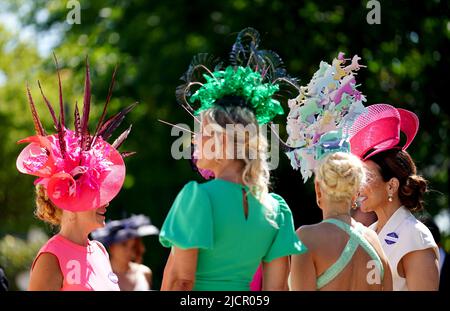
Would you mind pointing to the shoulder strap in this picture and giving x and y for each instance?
(356, 239)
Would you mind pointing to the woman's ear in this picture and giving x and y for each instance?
(318, 190)
(393, 185)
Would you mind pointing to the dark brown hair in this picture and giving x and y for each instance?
(399, 164)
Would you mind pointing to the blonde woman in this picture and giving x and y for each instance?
(342, 253)
(220, 231)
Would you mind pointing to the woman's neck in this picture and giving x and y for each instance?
(384, 213)
(119, 266)
(231, 172)
(74, 235)
(339, 211)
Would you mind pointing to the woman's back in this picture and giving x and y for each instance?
(350, 263)
(232, 240)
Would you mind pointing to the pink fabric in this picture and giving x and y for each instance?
(79, 180)
(378, 129)
(84, 268)
(256, 284)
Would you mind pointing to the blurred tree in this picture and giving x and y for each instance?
(153, 41)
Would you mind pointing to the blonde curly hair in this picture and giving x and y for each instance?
(250, 146)
(45, 209)
(340, 176)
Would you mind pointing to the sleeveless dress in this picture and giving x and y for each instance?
(403, 234)
(356, 239)
(84, 268)
(210, 217)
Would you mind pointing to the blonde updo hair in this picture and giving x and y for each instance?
(232, 110)
(340, 176)
(45, 209)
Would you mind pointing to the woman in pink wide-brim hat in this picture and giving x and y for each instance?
(393, 191)
(78, 175)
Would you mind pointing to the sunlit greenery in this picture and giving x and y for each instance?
(153, 42)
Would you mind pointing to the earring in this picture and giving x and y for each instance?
(390, 197)
(355, 205)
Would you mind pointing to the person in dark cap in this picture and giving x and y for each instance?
(444, 257)
(123, 238)
(3, 281)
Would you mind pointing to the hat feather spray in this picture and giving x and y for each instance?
(80, 171)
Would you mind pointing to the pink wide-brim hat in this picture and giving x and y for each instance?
(378, 129)
(79, 181)
(79, 171)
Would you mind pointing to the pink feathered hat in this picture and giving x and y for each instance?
(378, 129)
(79, 171)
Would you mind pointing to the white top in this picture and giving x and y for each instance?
(403, 234)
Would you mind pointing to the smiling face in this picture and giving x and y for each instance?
(89, 220)
(374, 194)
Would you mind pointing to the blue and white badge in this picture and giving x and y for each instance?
(113, 277)
(391, 238)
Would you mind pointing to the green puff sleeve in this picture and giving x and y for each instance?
(189, 223)
(286, 241)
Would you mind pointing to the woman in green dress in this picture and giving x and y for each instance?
(220, 231)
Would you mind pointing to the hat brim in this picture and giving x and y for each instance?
(66, 191)
(383, 133)
(409, 125)
(147, 230)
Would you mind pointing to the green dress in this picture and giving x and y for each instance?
(210, 216)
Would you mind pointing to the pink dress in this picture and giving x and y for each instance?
(256, 284)
(84, 268)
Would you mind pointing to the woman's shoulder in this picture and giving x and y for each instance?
(314, 235)
(100, 246)
(192, 191)
(278, 203)
(52, 246)
(417, 232)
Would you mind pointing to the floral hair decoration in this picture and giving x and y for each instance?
(329, 103)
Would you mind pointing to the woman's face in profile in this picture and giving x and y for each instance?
(125, 250)
(208, 147)
(373, 194)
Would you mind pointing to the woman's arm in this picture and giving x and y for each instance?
(179, 273)
(303, 272)
(421, 270)
(275, 274)
(46, 274)
(303, 269)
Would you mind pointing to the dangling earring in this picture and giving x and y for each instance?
(390, 197)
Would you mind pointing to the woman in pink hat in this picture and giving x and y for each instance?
(393, 191)
(78, 175)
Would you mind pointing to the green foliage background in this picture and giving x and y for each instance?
(153, 43)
